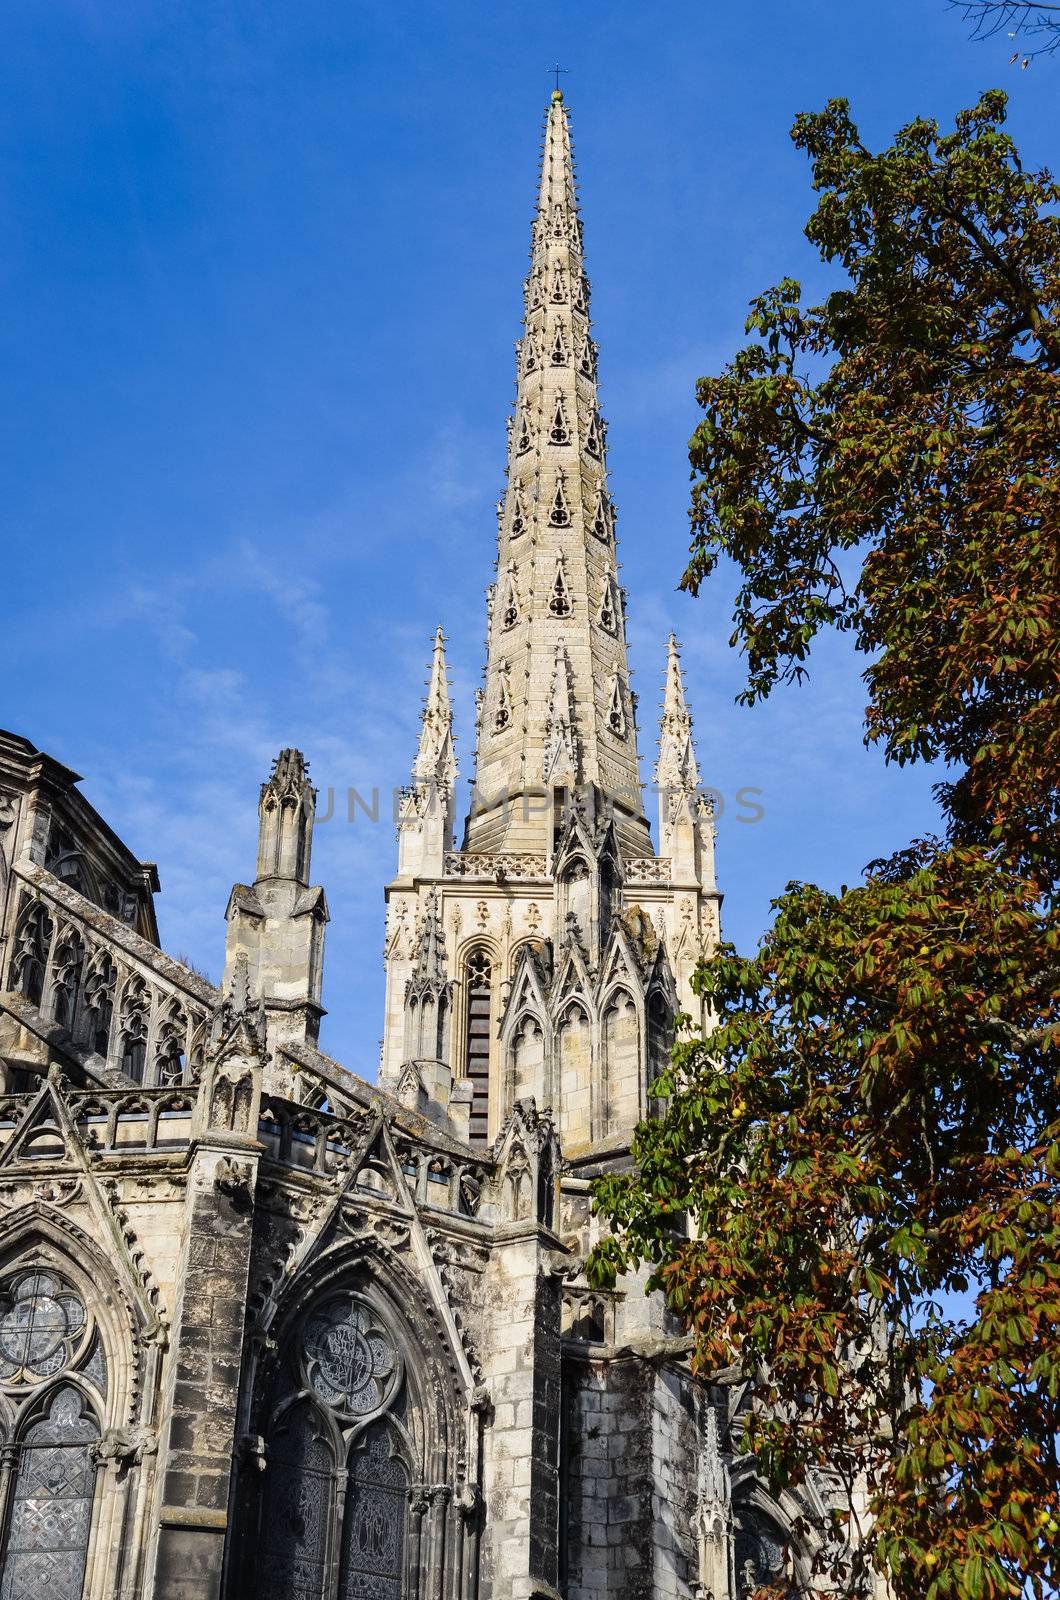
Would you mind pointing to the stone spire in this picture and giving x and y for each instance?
(425, 820)
(436, 757)
(686, 829)
(676, 768)
(557, 571)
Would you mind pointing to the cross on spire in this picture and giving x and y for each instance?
(557, 69)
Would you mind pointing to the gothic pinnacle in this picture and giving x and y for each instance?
(436, 757)
(676, 767)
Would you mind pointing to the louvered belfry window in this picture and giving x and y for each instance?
(479, 972)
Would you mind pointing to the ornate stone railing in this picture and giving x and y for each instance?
(120, 998)
(498, 867)
(648, 869)
(318, 1141)
(110, 1121)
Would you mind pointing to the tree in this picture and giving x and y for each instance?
(1019, 19)
(866, 1144)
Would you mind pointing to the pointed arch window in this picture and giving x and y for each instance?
(504, 701)
(594, 439)
(510, 611)
(373, 1534)
(607, 613)
(587, 359)
(172, 1034)
(616, 709)
(559, 286)
(45, 1334)
(335, 1499)
(524, 438)
(531, 358)
(66, 978)
(518, 523)
(99, 1003)
(295, 1511)
(46, 1545)
(478, 979)
(559, 355)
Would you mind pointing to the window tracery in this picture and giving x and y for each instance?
(30, 959)
(46, 1547)
(42, 1322)
(46, 1334)
(559, 514)
(334, 1505)
(373, 1542)
(349, 1358)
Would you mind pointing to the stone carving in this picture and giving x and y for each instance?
(497, 867)
(122, 1448)
(648, 869)
(235, 1180)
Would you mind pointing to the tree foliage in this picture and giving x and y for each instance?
(867, 1142)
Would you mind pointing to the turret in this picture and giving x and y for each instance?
(277, 923)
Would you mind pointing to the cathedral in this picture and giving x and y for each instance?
(272, 1331)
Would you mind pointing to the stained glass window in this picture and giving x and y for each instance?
(759, 1553)
(373, 1535)
(41, 1323)
(51, 1510)
(296, 1510)
(349, 1358)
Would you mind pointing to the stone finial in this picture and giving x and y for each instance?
(239, 1008)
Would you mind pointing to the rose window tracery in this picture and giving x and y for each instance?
(350, 1361)
(42, 1322)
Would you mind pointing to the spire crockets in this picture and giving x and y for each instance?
(686, 831)
(676, 768)
(425, 820)
(558, 586)
(436, 758)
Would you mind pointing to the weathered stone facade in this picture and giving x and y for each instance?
(270, 1330)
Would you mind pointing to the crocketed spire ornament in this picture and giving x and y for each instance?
(436, 757)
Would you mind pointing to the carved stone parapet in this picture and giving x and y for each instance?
(648, 869)
(498, 867)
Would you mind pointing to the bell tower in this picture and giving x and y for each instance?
(547, 956)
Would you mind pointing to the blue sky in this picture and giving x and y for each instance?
(261, 269)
